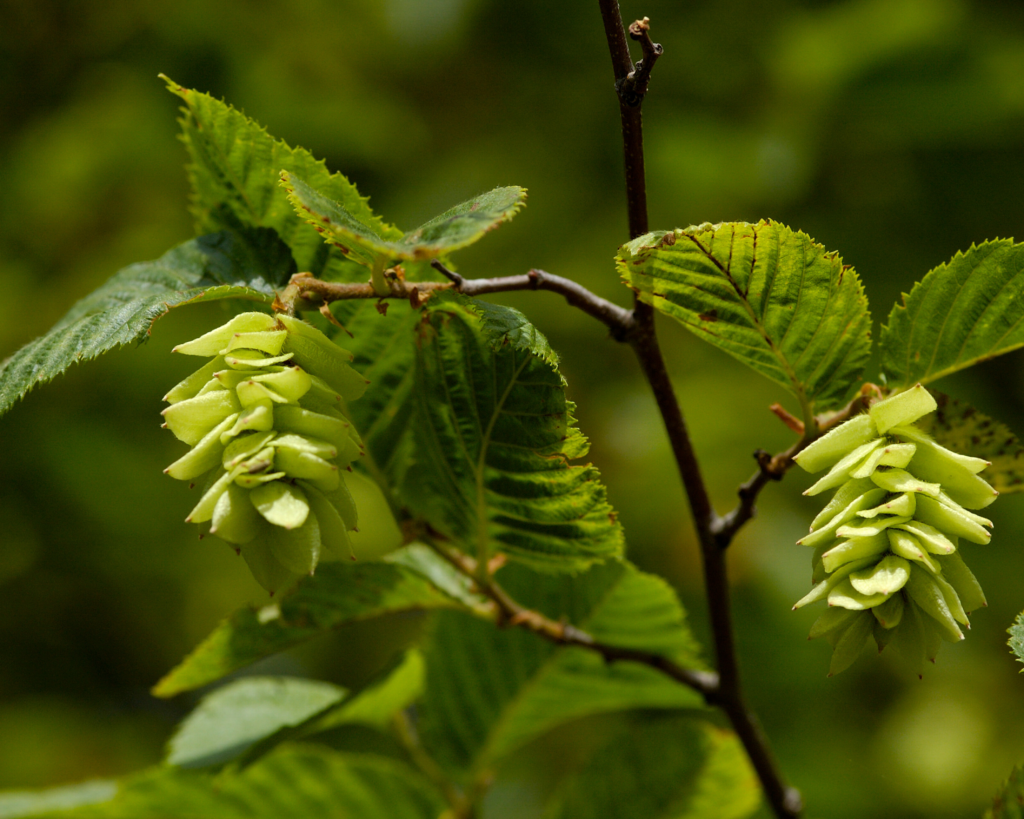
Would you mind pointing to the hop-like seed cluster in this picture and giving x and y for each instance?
(886, 546)
(266, 420)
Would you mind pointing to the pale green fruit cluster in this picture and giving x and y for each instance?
(266, 420)
(886, 546)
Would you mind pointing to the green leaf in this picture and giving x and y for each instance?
(229, 265)
(493, 440)
(235, 174)
(235, 717)
(376, 705)
(968, 310)
(35, 803)
(384, 350)
(454, 229)
(765, 294)
(961, 428)
(1016, 641)
(1009, 802)
(669, 767)
(489, 692)
(294, 781)
(339, 593)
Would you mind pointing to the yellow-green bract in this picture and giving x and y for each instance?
(886, 554)
(267, 422)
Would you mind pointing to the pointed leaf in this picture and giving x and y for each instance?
(1009, 802)
(672, 767)
(236, 716)
(765, 294)
(452, 230)
(235, 174)
(294, 781)
(243, 265)
(377, 704)
(493, 439)
(960, 427)
(490, 692)
(339, 593)
(968, 310)
(1016, 640)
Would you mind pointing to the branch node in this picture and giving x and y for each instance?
(451, 275)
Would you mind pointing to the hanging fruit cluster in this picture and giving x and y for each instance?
(266, 420)
(886, 554)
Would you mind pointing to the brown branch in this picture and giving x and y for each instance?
(631, 84)
(512, 613)
(304, 288)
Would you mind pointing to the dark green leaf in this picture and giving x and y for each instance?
(228, 265)
(1016, 640)
(960, 427)
(294, 782)
(488, 691)
(768, 295)
(339, 593)
(968, 310)
(235, 173)
(353, 236)
(232, 719)
(493, 440)
(1009, 802)
(668, 767)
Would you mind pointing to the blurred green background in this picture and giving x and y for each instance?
(889, 130)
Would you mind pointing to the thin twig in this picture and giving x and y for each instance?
(304, 287)
(634, 87)
(510, 612)
(785, 801)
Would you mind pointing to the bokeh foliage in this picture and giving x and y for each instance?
(888, 130)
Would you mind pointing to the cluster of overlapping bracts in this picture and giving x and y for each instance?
(266, 420)
(886, 554)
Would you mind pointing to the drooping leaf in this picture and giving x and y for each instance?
(968, 310)
(339, 593)
(768, 295)
(232, 719)
(15, 804)
(293, 781)
(488, 692)
(960, 427)
(452, 230)
(376, 705)
(1009, 802)
(384, 350)
(493, 439)
(237, 265)
(669, 767)
(1016, 640)
(235, 173)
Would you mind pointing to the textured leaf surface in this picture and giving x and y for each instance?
(384, 350)
(237, 265)
(961, 428)
(292, 782)
(1017, 637)
(671, 767)
(965, 311)
(493, 440)
(339, 593)
(456, 228)
(488, 691)
(235, 174)
(768, 295)
(1009, 803)
(232, 719)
